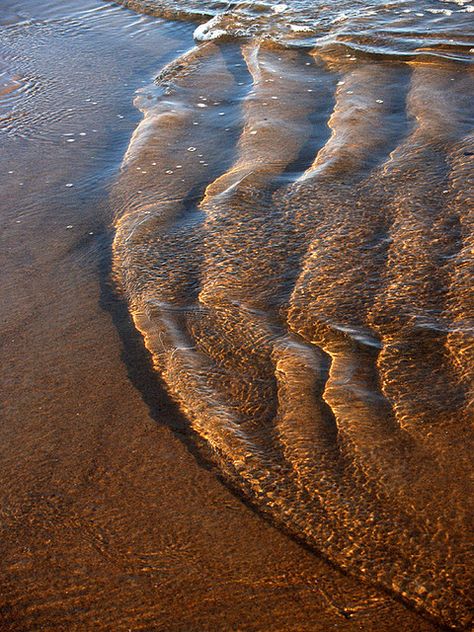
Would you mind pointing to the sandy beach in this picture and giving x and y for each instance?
(112, 516)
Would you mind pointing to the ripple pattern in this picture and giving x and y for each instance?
(312, 314)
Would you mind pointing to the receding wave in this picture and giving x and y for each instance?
(294, 240)
(432, 28)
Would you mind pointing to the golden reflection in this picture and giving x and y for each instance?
(314, 329)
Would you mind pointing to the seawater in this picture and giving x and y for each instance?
(294, 239)
(404, 28)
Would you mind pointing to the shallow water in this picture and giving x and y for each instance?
(305, 289)
(404, 29)
(293, 238)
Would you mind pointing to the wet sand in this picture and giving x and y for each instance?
(111, 519)
(297, 312)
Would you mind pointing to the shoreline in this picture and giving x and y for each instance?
(112, 518)
(121, 528)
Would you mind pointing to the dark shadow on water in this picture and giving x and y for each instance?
(138, 360)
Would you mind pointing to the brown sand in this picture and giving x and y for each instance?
(108, 520)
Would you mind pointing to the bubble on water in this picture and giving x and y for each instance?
(69, 185)
(443, 11)
(299, 28)
(191, 148)
(202, 105)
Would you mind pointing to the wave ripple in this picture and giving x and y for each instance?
(305, 294)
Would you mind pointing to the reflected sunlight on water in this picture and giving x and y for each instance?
(305, 291)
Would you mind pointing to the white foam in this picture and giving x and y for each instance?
(207, 32)
(443, 11)
(461, 3)
(299, 28)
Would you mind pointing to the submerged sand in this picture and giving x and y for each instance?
(112, 517)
